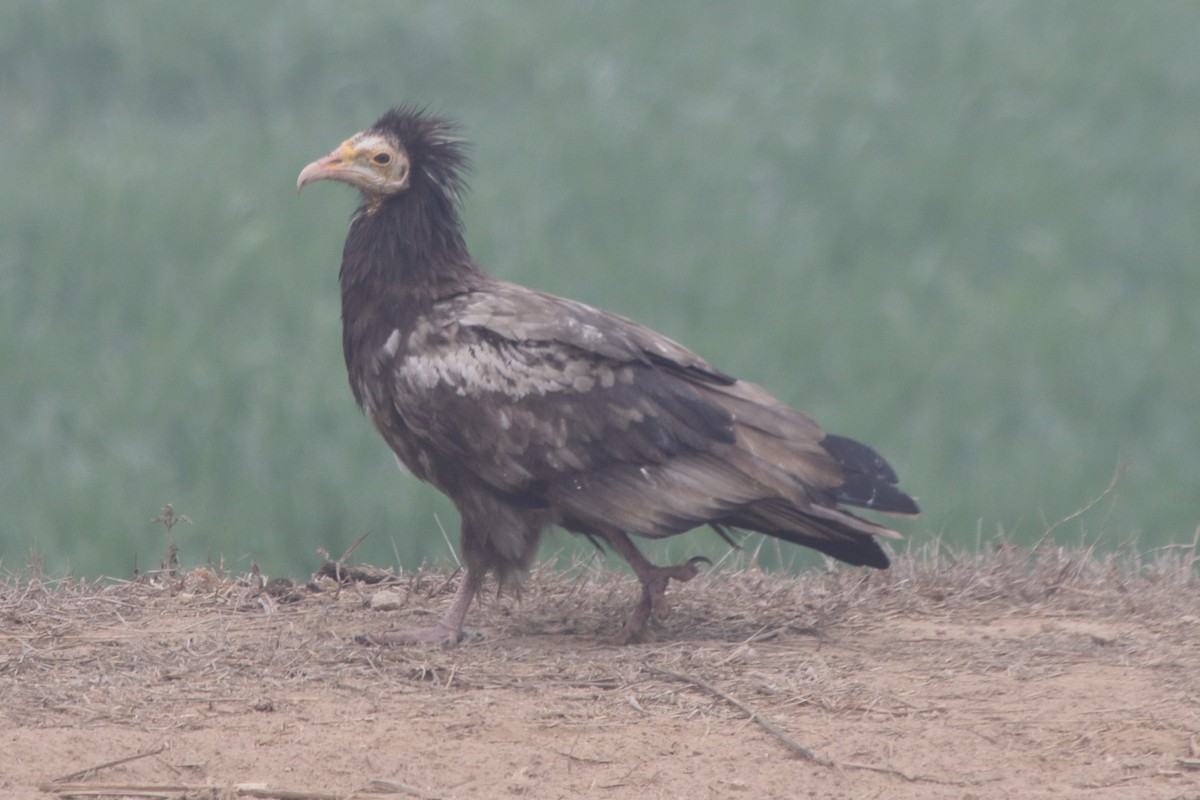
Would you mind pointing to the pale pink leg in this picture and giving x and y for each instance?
(654, 581)
(448, 630)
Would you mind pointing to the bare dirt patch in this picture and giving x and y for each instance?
(1054, 674)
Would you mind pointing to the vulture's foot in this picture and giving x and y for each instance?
(449, 629)
(653, 604)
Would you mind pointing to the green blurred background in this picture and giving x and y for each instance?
(965, 233)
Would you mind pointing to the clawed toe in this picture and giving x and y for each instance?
(654, 580)
(653, 606)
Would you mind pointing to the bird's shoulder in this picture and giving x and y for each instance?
(504, 341)
(536, 322)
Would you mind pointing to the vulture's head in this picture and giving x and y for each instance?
(406, 151)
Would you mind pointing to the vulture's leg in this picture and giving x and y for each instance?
(449, 629)
(654, 581)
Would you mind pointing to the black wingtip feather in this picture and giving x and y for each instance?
(869, 481)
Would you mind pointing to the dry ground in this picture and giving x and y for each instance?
(1055, 674)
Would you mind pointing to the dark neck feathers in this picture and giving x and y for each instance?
(401, 256)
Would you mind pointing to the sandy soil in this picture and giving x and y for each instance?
(1007, 675)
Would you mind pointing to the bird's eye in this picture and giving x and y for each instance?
(382, 159)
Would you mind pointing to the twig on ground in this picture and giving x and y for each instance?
(581, 759)
(264, 793)
(115, 789)
(344, 573)
(768, 726)
(84, 773)
(169, 790)
(334, 569)
(387, 785)
(890, 771)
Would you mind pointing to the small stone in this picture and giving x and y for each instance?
(386, 601)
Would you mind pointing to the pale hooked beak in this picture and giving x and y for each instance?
(337, 166)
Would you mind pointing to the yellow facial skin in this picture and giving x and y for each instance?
(370, 162)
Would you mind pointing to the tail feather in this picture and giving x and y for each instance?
(835, 533)
(859, 549)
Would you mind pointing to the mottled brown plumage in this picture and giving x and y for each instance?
(529, 410)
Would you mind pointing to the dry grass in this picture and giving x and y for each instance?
(916, 650)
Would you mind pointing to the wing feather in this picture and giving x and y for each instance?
(523, 315)
(555, 404)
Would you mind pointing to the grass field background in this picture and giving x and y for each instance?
(963, 233)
